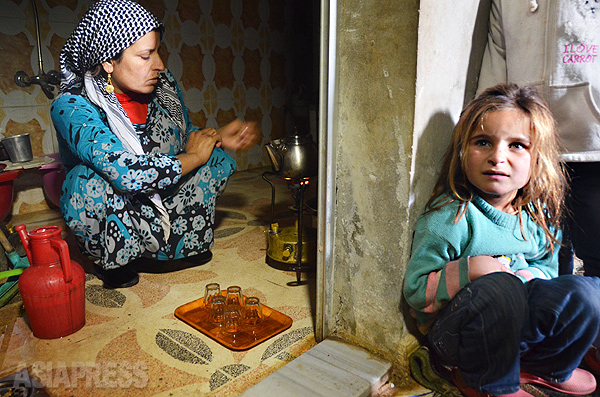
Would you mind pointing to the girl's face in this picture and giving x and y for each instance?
(137, 70)
(499, 157)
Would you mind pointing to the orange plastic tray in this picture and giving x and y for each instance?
(197, 315)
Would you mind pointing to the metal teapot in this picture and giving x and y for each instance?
(294, 157)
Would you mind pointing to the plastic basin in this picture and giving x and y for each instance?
(7, 179)
(53, 176)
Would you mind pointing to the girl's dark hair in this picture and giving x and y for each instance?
(543, 196)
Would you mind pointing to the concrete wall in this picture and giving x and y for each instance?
(376, 72)
(404, 69)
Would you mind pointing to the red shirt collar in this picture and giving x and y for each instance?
(136, 111)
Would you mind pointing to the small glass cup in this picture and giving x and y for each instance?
(233, 323)
(211, 290)
(217, 309)
(252, 311)
(234, 296)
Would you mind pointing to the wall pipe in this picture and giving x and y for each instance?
(45, 81)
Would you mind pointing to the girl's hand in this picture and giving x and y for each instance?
(481, 265)
(239, 135)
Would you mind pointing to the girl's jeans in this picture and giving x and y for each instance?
(496, 327)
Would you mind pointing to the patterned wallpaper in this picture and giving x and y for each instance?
(232, 58)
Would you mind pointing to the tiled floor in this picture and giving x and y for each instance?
(132, 343)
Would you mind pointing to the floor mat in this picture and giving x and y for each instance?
(133, 342)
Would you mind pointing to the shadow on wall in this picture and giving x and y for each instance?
(479, 40)
(435, 138)
(429, 156)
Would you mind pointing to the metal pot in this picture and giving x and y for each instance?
(294, 156)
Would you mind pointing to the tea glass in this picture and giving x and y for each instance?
(233, 323)
(217, 309)
(211, 290)
(252, 311)
(234, 296)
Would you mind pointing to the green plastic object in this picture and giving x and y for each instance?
(9, 294)
(10, 273)
(10, 288)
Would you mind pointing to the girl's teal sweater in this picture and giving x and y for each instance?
(439, 265)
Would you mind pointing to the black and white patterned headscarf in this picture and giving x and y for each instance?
(107, 29)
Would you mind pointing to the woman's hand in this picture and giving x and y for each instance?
(239, 135)
(201, 143)
(481, 265)
(198, 149)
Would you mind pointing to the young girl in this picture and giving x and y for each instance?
(483, 280)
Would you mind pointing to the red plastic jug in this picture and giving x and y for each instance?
(53, 286)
